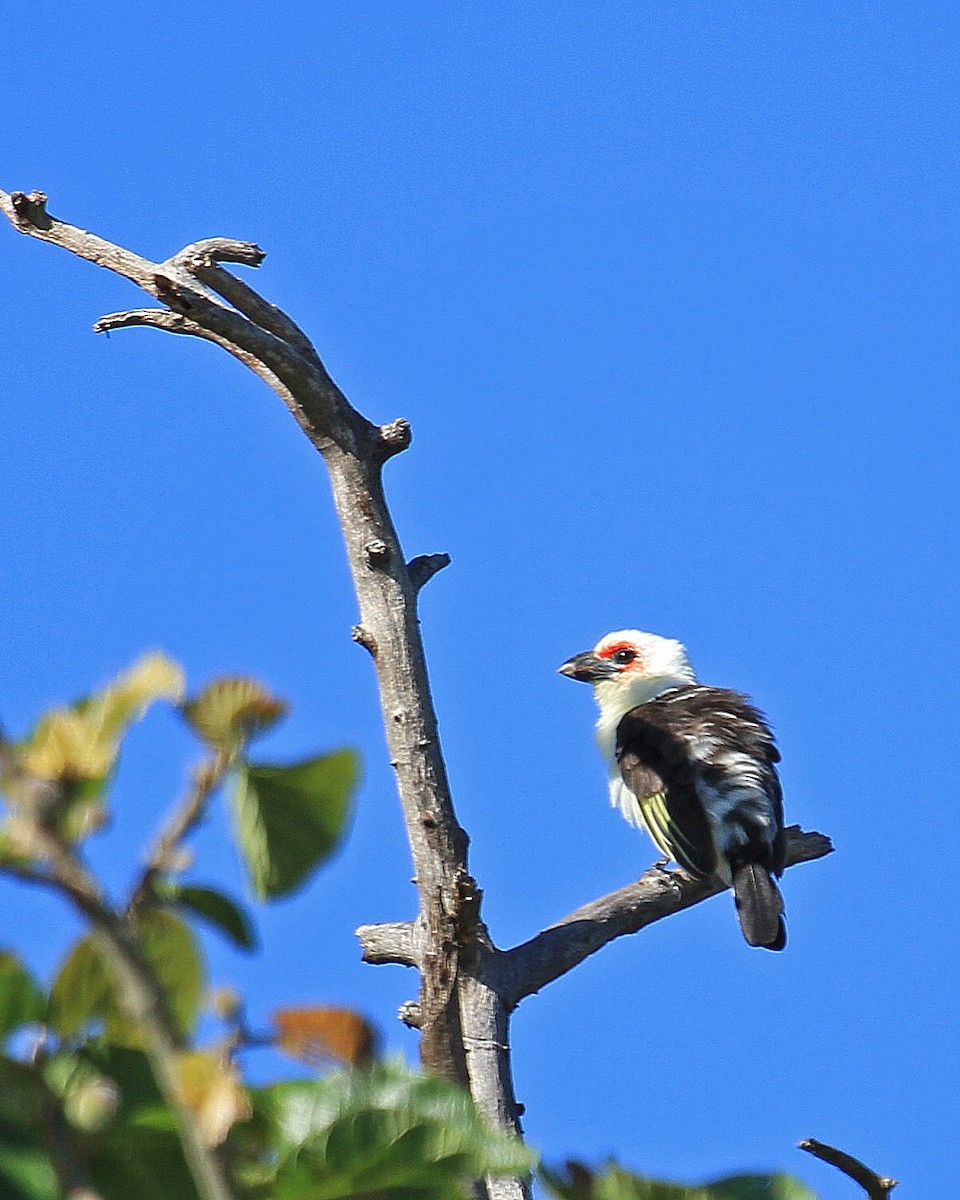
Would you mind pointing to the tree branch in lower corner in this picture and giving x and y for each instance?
(877, 1187)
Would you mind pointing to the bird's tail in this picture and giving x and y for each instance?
(759, 906)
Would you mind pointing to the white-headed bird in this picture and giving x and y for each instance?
(693, 765)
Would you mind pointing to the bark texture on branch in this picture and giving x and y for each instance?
(467, 986)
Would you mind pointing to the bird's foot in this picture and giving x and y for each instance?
(662, 867)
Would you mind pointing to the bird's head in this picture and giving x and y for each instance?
(628, 667)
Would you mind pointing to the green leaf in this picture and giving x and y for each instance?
(219, 910)
(25, 1169)
(613, 1183)
(760, 1187)
(129, 1068)
(19, 1092)
(290, 819)
(135, 1161)
(21, 1001)
(385, 1131)
(75, 747)
(137, 1155)
(130, 1145)
(84, 989)
(171, 950)
(26, 1172)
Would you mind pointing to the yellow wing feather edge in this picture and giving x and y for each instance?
(665, 833)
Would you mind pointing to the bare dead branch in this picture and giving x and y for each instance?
(317, 404)
(201, 260)
(656, 894)
(28, 214)
(363, 637)
(877, 1187)
(152, 318)
(193, 300)
(30, 210)
(267, 316)
(171, 322)
(409, 1014)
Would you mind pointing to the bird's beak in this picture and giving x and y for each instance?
(588, 668)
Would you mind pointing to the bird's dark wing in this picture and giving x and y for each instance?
(657, 767)
(732, 727)
(713, 749)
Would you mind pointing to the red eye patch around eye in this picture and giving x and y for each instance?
(611, 650)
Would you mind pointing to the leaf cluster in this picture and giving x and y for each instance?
(82, 1103)
(384, 1131)
(379, 1130)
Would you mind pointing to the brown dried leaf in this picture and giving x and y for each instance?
(317, 1035)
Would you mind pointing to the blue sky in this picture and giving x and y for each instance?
(668, 293)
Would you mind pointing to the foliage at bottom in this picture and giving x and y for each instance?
(577, 1182)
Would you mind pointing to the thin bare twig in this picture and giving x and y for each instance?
(183, 820)
(172, 322)
(28, 214)
(877, 1187)
(155, 318)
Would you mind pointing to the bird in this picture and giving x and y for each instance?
(695, 766)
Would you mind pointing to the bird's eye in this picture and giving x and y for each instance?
(623, 656)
